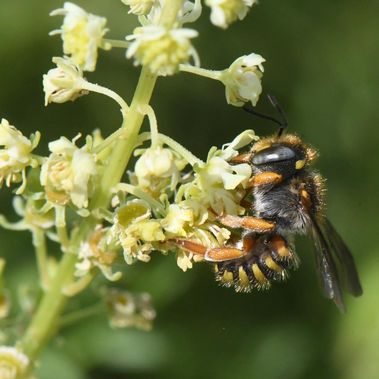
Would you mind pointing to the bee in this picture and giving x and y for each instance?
(288, 199)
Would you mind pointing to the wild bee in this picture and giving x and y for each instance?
(288, 199)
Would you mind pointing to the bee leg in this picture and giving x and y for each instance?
(219, 254)
(241, 158)
(253, 224)
(264, 178)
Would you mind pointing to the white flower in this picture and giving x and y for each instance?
(160, 49)
(130, 310)
(224, 12)
(139, 7)
(82, 34)
(12, 362)
(215, 181)
(68, 173)
(63, 83)
(135, 231)
(158, 168)
(16, 154)
(95, 253)
(242, 80)
(189, 12)
(177, 219)
(184, 260)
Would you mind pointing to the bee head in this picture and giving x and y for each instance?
(281, 158)
(285, 155)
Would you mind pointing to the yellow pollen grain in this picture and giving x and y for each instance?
(300, 164)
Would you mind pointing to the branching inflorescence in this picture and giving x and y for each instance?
(78, 195)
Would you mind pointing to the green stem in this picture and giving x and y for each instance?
(81, 314)
(181, 150)
(39, 242)
(107, 92)
(114, 43)
(211, 74)
(45, 320)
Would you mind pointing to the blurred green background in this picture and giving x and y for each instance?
(322, 64)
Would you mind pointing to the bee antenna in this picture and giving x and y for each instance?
(274, 102)
(283, 124)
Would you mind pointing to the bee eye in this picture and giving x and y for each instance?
(272, 154)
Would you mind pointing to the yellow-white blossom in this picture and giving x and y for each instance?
(82, 34)
(161, 50)
(15, 154)
(242, 80)
(136, 231)
(68, 173)
(128, 309)
(189, 12)
(224, 12)
(215, 181)
(139, 7)
(35, 213)
(96, 253)
(177, 219)
(12, 362)
(63, 83)
(157, 169)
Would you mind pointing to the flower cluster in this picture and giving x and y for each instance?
(74, 195)
(146, 222)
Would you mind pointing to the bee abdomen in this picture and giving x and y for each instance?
(267, 263)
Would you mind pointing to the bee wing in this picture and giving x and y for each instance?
(343, 259)
(326, 266)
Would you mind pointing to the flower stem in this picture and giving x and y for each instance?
(181, 150)
(211, 74)
(39, 242)
(114, 43)
(107, 92)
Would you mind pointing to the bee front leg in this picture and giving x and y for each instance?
(264, 178)
(253, 224)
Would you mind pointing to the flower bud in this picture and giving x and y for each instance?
(63, 83)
